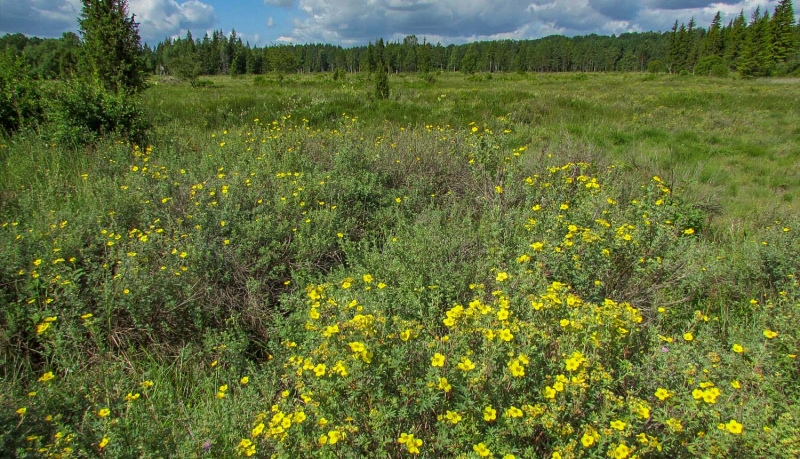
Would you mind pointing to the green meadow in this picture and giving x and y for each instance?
(489, 265)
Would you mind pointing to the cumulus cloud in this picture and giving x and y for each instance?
(157, 18)
(358, 21)
(167, 18)
(43, 18)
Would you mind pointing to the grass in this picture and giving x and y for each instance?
(515, 266)
(680, 127)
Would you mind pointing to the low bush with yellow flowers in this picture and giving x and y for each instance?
(407, 292)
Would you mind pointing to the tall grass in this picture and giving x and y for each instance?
(300, 270)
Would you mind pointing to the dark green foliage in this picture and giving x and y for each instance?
(111, 46)
(784, 39)
(705, 64)
(82, 112)
(656, 66)
(382, 83)
(719, 70)
(20, 104)
(756, 58)
(735, 35)
(186, 67)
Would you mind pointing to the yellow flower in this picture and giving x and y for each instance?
(42, 327)
(489, 414)
(621, 451)
(587, 440)
(147, 383)
(734, 427)
(502, 276)
(549, 393)
(367, 278)
(245, 380)
(688, 231)
(334, 436)
(103, 443)
(466, 364)
(357, 346)
(131, 397)
(619, 425)
(516, 368)
(319, 370)
(736, 385)
(246, 447)
(688, 336)
(737, 348)
(674, 424)
(444, 385)
(412, 443)
(513, 412)
(482, 450)
(104, 412)
(453, 417)
(506, 335)
(437, 360)
(769, 334)
(405, 335)
(46, 377)
(257, 430)
(642, 411)
(22, 411)
(663, 394)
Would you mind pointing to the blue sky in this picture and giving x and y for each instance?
(355, 22)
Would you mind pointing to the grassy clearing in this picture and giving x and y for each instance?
(732, 143)
(521, 266)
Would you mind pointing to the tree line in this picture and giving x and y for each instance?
(766, 44)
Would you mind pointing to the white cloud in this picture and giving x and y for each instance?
(270, 22)
(167, 18)
(157, 18)
(43, 18)
(349, 22)
(282, 3)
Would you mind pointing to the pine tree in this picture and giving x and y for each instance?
(712, 41)
(735, 38)
(382, 81)
(111, 45)
(784, 39)
(756, 57)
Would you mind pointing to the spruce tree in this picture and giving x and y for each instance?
(382, 81)
(712, 41)
(784, 39)
(111, 45)
(735, 38)
(756, 57)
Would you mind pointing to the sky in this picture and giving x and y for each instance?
(357, 22)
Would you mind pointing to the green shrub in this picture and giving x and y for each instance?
(382, 85)
(20, 104)
(719, 71)
(707, 63)
(656, 66)
(81, 112)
